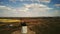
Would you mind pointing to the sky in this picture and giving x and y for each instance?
(29, 8)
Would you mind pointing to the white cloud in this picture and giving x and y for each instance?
(12, 12)
(45, 1)
(1, 3)
(5, 8)
(57, 5)
(35, 10)
(28, 10)
(57, 12)
(17, 0)
(6, 11)
(12, 0)
(37, 0)
(39, 7)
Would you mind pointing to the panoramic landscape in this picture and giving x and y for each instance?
(29, 16)
(35, 25)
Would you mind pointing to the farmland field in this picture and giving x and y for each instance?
(38, 25)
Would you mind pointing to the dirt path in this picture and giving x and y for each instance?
(19, 32)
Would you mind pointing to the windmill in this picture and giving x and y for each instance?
(23, 24)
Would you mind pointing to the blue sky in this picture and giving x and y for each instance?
(29, 8)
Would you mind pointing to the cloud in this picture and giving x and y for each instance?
(13, 12)
(34, 10)
(46, 1)
(14, 1)
(1, 3)
(6, 11)
(57, 5)
(37, 7)
(17, 0)
(5, 8)
(37, 0)
(57, 12)
(28, 10)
